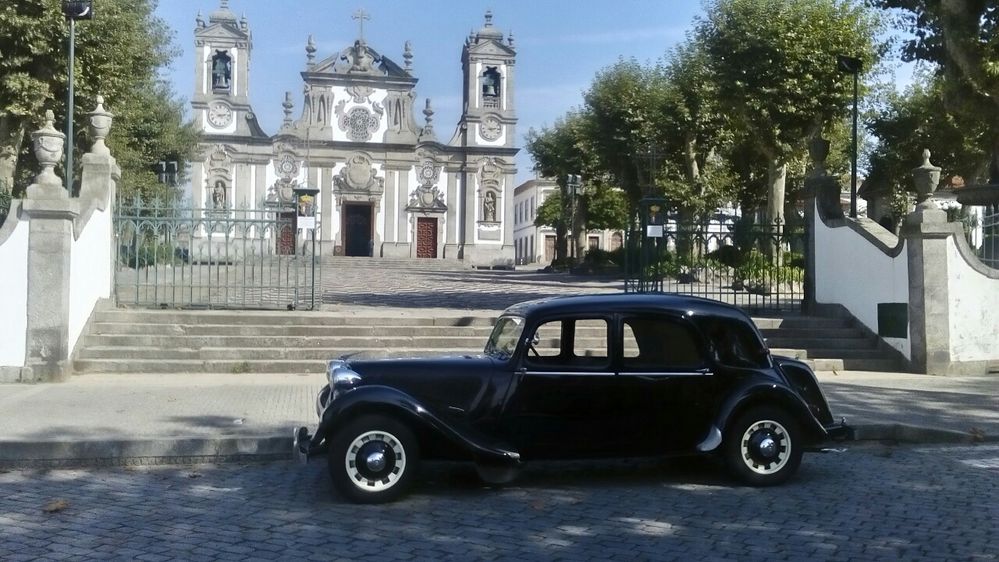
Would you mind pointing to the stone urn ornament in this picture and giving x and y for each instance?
(48, 144)
(100, 126)
(926, 179)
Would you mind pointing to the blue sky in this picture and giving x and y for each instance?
(561, 46)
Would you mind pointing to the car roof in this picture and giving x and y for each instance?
(626, 302)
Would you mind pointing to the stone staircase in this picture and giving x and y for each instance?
(189, 341)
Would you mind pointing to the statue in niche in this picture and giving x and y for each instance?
(221, 71)
(489, 207)
(218, 195)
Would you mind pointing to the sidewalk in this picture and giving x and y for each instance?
(144, 419)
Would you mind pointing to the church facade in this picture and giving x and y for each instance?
(387, 186)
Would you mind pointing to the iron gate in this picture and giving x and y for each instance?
(757, 266)
(172, 255)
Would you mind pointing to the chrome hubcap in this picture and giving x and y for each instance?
(375, 461)
(765, 447)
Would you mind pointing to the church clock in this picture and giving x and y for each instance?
(219, 114)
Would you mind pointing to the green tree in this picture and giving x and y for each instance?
(918, 119)
(118, 54)
(558, 151)
(959, 36)
(775, 67)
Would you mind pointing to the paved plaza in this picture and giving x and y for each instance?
(871, 502)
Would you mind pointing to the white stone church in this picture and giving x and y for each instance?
(388, 187)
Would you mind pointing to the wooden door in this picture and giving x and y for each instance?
(426, 237)
(549, 248)
(357, 229)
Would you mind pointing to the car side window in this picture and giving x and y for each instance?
(736, 345)
(659, 343)
(570, 344)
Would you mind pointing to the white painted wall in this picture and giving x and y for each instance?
(14, 291)
(974, 310)
(851, 271)
(90, 271)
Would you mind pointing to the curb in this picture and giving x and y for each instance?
(137, 452)
(918, 435)
(182, 451)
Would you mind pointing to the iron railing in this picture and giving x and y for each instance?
(172, 255)
(760, 267)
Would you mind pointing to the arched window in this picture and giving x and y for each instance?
(491, 87)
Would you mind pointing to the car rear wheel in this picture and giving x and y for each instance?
(763, 447)
(373, 459)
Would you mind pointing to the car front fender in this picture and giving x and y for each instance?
(388, 400)
(762, 393)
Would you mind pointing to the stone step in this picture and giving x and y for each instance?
(278, 318)
(116, 328)
(235, 366)
(828, 353)
(425, 264)
(812, 333)
(255, 354)
(274, 342)
(793, 341)
(801, 322)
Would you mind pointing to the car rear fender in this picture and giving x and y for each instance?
(759, 394)
(391, 401)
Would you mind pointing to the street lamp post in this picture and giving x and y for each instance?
(572, 183)
(852, 65)
(73, 10)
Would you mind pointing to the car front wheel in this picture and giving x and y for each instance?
(763, 447)
(373, 459)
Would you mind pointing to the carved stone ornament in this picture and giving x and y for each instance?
(286, 166)
(100, 126)
(429, 172)
(359, 93)
(489, 172)
(359, 175)
(48, 144)
(426, 198)
(358, 122)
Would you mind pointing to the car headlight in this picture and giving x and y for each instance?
(341, 377)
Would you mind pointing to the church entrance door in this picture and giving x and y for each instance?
(285, 238)
(426, 237)
(357, 231)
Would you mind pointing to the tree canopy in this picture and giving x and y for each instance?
(118, 55)
(959, 37)
(774, 63)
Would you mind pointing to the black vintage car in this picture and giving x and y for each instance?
(575, 377)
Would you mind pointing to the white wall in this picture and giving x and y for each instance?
(974, 310)
(853, 272)
(14, 293)
(90, 271)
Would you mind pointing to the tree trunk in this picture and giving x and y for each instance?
(11, 137)
(776, 175)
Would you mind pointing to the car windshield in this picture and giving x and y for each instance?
(503, 341)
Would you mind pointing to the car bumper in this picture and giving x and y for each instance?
(304, 447)
(839, 431)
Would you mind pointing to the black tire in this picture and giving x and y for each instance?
(373, 459)
(763, 446)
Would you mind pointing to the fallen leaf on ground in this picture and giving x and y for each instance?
(193, 475)
(977, 434)
(55, 506)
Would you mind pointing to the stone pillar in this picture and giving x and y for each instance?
(926, 231)
(822, 192)
(51, 214)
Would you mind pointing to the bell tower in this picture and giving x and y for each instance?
(489, 116)
(221, 85)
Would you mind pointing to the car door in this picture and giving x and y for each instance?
(666, 384)
(563, 404)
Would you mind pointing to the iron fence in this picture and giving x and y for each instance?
(172, 255)
(757, 266)
(988, 251)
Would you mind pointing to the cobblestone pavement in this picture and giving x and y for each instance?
(869, 503)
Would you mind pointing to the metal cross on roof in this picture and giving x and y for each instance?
(360, 15)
